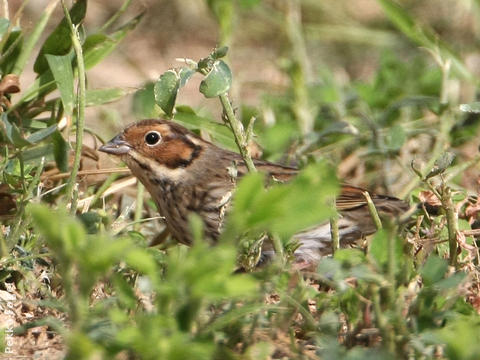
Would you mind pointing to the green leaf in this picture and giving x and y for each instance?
(283, 209)
(36, 153)
(99, 46)
(143, 102)
(42, 85)
(64, 234)
(60, 151)
(142, 261)
(379, 248)
(61, 68)
(39, 135)
(461, 338)
(187, 117)
(434, 270)
(59, 42)
(220, 52)
(95, 48)
(166, 90)
(185, 74)
(91, 220)
(217, 81)
(351, 257)
(251, 186)
(441, 164)
(13, 134)
(104, 96)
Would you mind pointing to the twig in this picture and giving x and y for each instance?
(373, 211)
(238, 132)
(334, 231)
(86, 173)
(452, 223)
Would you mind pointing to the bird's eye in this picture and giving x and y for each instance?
(152, 138)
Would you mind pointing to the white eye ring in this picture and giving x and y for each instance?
(152, 138)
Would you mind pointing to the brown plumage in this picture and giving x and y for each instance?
(185, 174)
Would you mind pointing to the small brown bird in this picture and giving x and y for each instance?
(186, 174)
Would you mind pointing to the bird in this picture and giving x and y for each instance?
(186, 174)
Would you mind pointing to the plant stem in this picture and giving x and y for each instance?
(3, 245)
(373, 211)
(238, 132)
(452, 223)
(81, 93)
(391, 264)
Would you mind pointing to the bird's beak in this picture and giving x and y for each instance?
(116, 146)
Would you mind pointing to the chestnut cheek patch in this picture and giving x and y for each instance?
(177, 153)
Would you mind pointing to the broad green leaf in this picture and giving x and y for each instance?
(99, 46)
(39, 135)
(350, 256)
(65, 235)
(283, 209)
(59, 42)
(142, 261)
(217, 81)
(220, 52)
(61, 68)
(143, 102)
(95, 48)
(42, 85)
(187, 117)
(379, 248)
(251, 186)
(441, 164)
(451, 282)
(185, 74)
(36, 153)
(60, 151)
(166, 90)
(460, 337)
(97, 97)
(434, 270)
(13, 134)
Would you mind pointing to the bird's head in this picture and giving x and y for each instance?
(155, 143)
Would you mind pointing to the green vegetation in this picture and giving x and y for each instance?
(80, 258)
